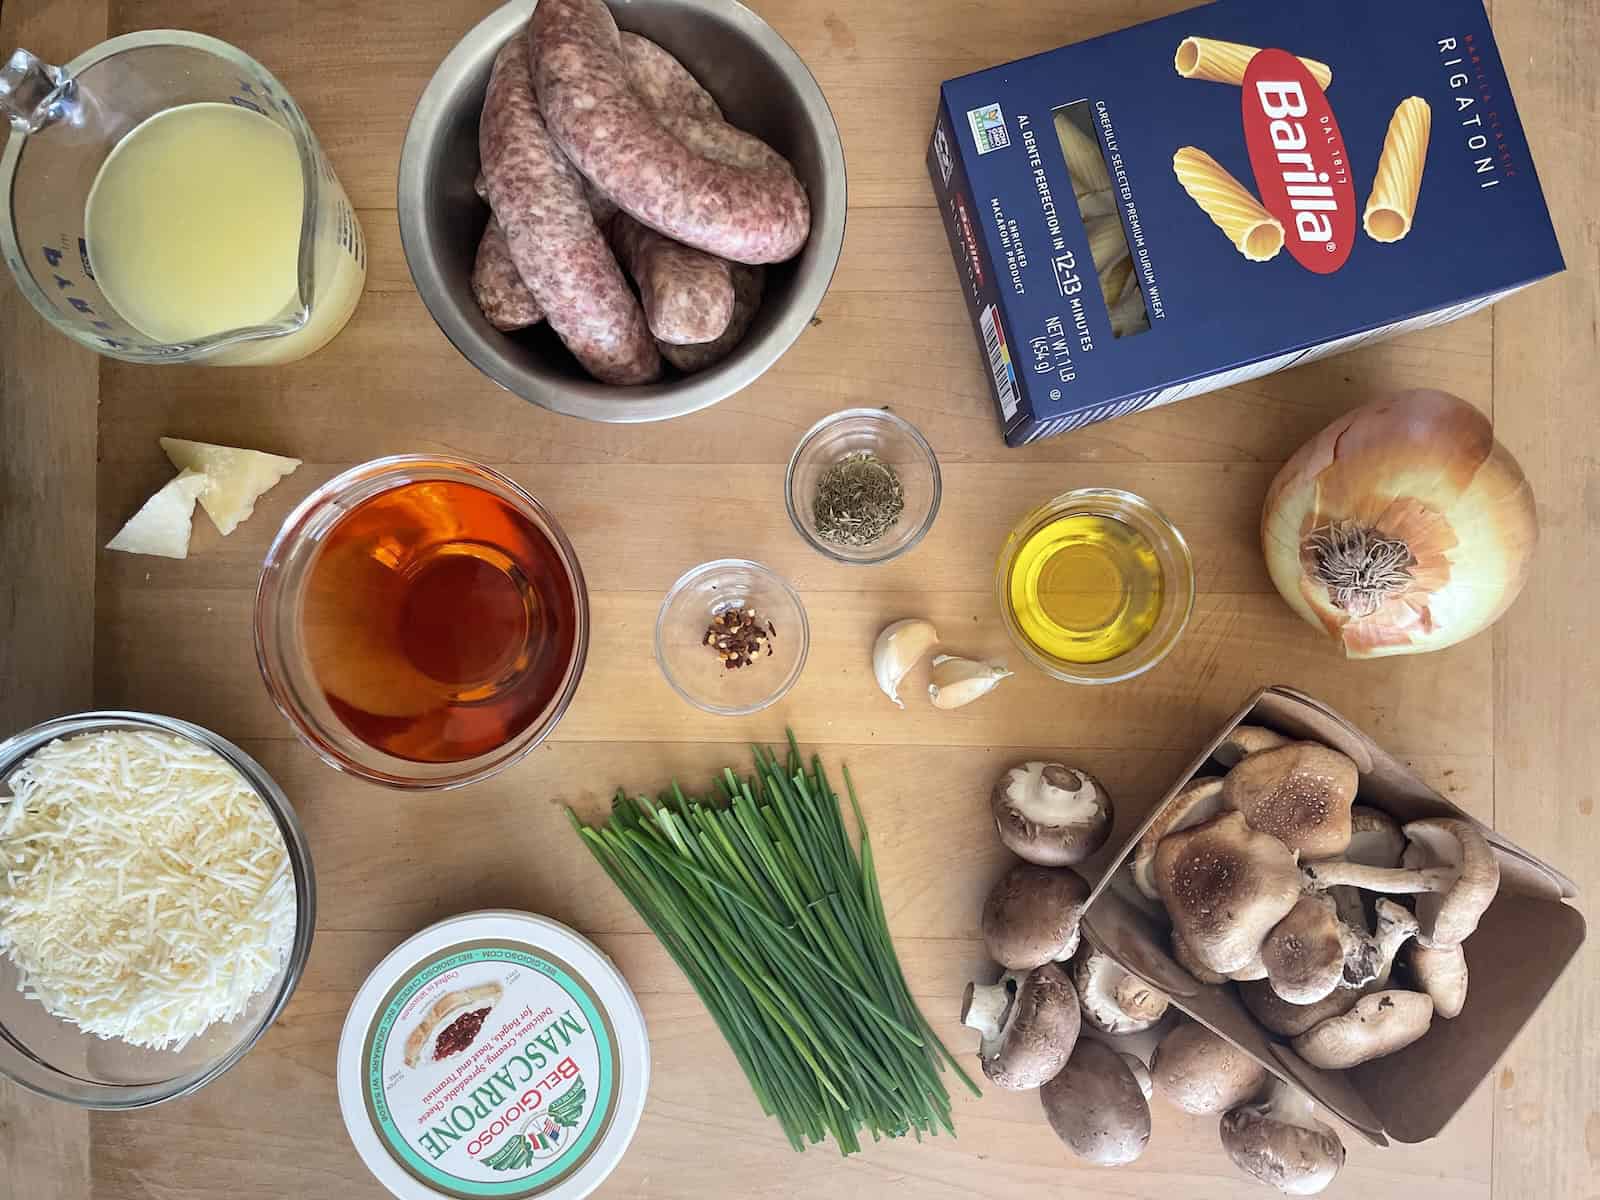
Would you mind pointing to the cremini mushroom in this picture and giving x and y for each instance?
(1279, 1141)
(1225, 886)
(1245, 740)
(1305, 952)
(1375, 841)
(1028, 1025)
(1442, 974)
(1031, 916)
(1096, 1108)
(1115, 1000)
(1448, 864)
(1051, 814)
(1312, 951)
(1395, 926)
(1186, 959)
(1195, 803)
(1199, 1072)
(1379, 1024)
(1300, 793)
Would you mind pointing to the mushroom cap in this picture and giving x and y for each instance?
(1201, 1073)
(1038, 1028)
(1115, 1000)
(1289, 1020)
(1304, 953)
(1448, 918)
(1195, 803)
(1225, 886)
(1379, 1024)
(1031, 915)
(1300, 793)
(1442, 974)
(1051, 814)
(1186, 959)
(1245, 740)
(1096, 1108)
(1299, 1156)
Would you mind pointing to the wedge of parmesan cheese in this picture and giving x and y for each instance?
(234, 478)
(163, 525)
(145, 889)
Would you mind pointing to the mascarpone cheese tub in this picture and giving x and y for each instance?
(495, 1054)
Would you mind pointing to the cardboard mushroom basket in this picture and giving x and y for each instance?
(1523, 940)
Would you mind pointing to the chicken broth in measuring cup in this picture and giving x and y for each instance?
(193, 226)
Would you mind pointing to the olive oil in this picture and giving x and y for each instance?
(1085, 588)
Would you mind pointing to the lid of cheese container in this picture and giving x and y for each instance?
(495, 1054)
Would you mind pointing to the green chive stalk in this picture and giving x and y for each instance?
(775, 918)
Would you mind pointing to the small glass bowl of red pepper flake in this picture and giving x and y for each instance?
(732, 637)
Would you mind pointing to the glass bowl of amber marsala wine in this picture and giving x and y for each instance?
(863, 486)
(421, 621)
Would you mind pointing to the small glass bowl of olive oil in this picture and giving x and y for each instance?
(1095, 586)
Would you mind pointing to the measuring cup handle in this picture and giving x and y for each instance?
(33, 93)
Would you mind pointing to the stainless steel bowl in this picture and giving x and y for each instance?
(762, 86)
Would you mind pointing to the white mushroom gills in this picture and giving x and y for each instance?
(1041, 800)
(1115, 1000)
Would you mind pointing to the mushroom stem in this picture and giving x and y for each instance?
(1396, 926)
(984, 1006)
(1395, 881)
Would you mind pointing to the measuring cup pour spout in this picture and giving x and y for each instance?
(34, 94)
(163, 200)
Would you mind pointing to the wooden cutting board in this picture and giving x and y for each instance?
(1503, 724)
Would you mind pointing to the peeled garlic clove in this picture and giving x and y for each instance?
(900, 647)
(958, 681)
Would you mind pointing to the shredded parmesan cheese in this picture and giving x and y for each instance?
(145, 890)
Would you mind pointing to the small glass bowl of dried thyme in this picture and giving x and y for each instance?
(863, 486)
(732, 637)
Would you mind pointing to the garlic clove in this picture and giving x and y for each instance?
(958, 681)
(900, 647)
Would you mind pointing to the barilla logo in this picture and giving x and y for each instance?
(1298, 156)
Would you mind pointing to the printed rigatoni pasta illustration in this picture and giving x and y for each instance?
(1254, 232)
(1225, 62)
(1392, 204)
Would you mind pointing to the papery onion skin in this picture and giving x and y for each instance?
(1423, 468)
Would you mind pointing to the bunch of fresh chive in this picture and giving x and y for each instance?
(759, 898)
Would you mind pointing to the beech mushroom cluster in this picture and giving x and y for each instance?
(1275, 880)
(1096, 1098)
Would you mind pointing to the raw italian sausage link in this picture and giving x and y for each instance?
(664, 83)
(747, 286)
(687, 293)
(496, 286)
(606, 130)
(538, 199)
(723, 143)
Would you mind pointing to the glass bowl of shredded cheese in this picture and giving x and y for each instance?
(156, 907)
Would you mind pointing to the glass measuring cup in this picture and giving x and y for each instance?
(66, 121)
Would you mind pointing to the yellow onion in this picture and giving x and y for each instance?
(1402, 527)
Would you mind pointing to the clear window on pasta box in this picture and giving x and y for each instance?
(1097, 205)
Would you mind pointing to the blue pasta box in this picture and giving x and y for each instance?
(1227, 192)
